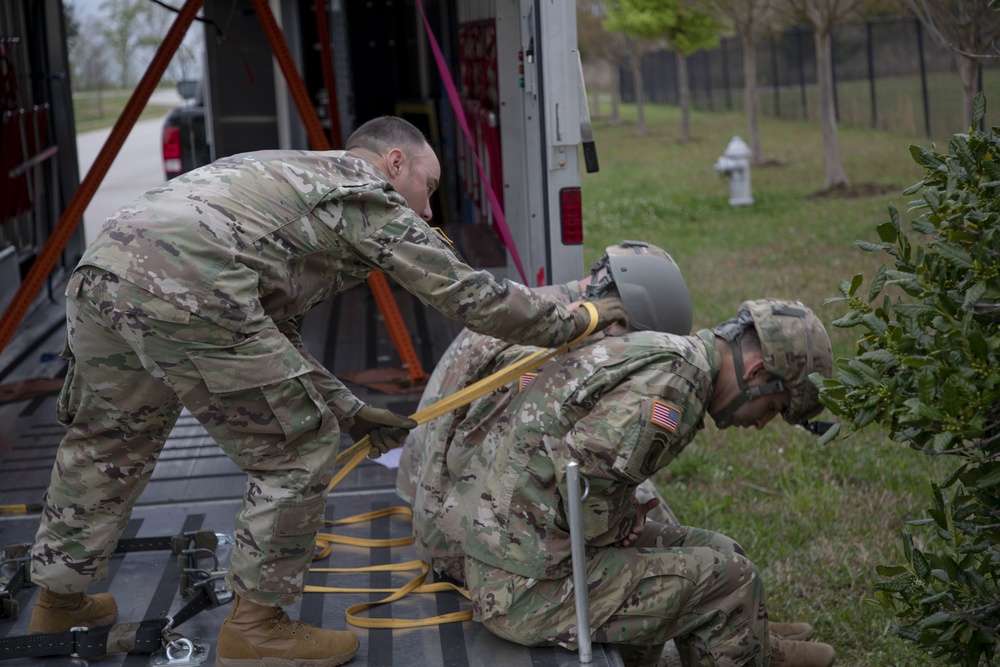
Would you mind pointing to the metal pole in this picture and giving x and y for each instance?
(574, 499)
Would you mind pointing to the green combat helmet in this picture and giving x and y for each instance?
(793, 343)
(650, 285)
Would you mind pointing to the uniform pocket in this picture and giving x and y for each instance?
(301, 517)
(263, 395)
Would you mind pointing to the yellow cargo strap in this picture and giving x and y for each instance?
(357, 453)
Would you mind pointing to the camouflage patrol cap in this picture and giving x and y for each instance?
(650, 285)
(794, 343)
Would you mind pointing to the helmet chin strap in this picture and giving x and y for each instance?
(599, 289)
(731, 332)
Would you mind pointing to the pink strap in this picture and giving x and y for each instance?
(456, 105)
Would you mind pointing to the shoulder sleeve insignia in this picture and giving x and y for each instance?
(525, 380)
(665, 416)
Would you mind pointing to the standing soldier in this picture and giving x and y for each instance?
(188, 298)
(624, 406)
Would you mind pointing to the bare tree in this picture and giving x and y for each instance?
(970, 29)
(751, 20)
(823, 15)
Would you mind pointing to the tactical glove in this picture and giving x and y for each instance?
(386, 430)
(609, 309)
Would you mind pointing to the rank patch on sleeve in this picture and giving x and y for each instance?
(525, 380)
(665, 415)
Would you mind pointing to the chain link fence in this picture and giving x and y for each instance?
(889, 74)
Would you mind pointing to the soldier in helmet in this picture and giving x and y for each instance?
(655, 297)
(189, 297)
(623, 406)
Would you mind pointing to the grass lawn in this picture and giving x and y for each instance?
(816, 520)
(95, 110)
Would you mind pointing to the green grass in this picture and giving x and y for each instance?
(898, 103)
(816, 520)
(95, 110)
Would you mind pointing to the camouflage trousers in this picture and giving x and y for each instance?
(687, 584)
(135, 362)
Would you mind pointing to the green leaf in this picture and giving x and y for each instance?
(890, 570)
(913, 188)
(879, 356)
(856, 283)
(978, 109)
(877, 284)
(957, 255)
(830, 434)
(974, 294)
(936, 620)
(888, 232)
(920, 564)
(990, 479)
(871, 247)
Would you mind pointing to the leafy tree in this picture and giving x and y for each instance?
(638, 30)
(928, 371)
(686, 29)
(822, 15)
(125, 31)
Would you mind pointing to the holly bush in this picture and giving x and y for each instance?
(927, 370)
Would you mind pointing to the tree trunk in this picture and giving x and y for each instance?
(751, 101)
(685, 96)
(616, 96)
(640, 113)
(968, 71)
(835, 176)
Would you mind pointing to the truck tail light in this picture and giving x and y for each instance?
(571, 214)
(172, 151)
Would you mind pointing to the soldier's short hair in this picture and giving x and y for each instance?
(380, 135)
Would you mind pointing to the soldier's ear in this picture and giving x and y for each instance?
(394, 160)
(753, 367)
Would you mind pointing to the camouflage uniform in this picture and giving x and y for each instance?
(436, 452)
(623, 407)
(188, 297)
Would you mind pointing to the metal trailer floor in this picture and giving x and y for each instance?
(196, 487)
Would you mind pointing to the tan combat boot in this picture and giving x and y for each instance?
(58, 612)
(799, 632)
(253, 635)
(790, 653)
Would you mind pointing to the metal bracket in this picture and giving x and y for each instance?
(180, 652)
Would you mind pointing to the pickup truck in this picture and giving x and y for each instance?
(185, 145)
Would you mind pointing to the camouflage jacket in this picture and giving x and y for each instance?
(436, 452)
(622, 406)
(260, 238)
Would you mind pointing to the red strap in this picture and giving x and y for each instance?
(456, 105)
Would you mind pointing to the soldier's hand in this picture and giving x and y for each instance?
(641, 510)
(609, 309)
(386, 429)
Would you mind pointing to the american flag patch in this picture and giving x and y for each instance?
(665, 415)
(526, 380)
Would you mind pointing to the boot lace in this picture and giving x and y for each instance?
(282, 619)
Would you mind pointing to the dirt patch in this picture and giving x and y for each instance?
(853, 191)
(769, 163)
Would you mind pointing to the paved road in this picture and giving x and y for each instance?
(138, 167)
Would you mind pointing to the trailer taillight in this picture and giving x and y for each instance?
(571, 212)
(172, 150)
